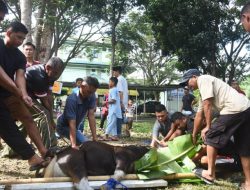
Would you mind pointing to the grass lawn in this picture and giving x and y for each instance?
(141, 134)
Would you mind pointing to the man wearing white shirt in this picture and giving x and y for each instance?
(122, 87)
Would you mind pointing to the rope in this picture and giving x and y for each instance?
(112, 183)
(42, 112)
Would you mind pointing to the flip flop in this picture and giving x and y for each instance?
(102, 139)
(39, 166)
(198, 173)
(113, 139)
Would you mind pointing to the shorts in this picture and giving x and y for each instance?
(225, 126)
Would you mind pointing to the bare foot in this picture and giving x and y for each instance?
(207, 175)
(245, 187)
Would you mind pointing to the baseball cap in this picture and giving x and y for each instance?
(187, 75)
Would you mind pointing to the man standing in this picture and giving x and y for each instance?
(122, 87)
(12, 63)
(77, 105)
(162, 125)
(28, 51)
(233, 119)
(187, 102)
(78, 83)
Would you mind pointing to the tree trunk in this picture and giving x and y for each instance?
(113, 44)
(26, 11)
(48, 32)
(39, 29)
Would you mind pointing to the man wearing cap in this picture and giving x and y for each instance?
(122, 87)
(188, 100)
(233, 119)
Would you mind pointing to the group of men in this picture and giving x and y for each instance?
(26, 97)
(19, 90)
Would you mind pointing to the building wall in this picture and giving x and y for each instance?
(91, 61)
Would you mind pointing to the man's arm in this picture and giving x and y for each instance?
(48, 104)
(21, 84)
(194, 101)
(92, 123)
(207, 106)
(72, 133)
(121, 99)
(155, 134)
(197, 125)
(7, 83)
(170, 133)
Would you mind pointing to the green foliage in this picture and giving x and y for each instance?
(136, 39)
(176, 158)
(203, 34)
(246, 86)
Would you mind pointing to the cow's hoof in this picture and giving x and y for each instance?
(104, 187)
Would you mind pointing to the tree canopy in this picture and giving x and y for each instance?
(199, 33)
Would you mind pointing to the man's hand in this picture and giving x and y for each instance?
(203, 133)
(163, 143)
(27, 100)
(75, 147)
(194, 139)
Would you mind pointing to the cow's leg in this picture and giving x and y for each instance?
(83, 184)
(53, 169)
(76, 167)
(119, 174)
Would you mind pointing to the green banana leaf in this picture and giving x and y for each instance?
(176, 158)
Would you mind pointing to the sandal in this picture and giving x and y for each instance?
(198, 173)
(114, 139)
(42, 164)
(102, 139)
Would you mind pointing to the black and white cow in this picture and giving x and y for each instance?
(94, 159)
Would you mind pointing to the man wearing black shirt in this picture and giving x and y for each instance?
(187, 102)
(39, 79)
(12, 62)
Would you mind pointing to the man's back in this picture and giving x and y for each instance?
(187, 100)
(11, 60)
(76, 108)
(37, 80)
(122, 86)
(225, 99)
(161, 128)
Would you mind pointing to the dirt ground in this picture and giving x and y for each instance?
(19, 169)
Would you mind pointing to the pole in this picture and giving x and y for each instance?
(91, 178)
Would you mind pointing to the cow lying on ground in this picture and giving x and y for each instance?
(94, 158)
